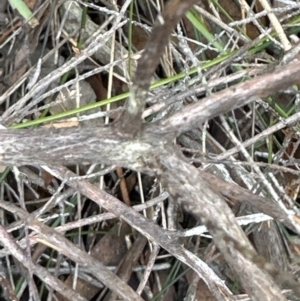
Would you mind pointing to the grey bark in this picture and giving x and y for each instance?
(150, 149)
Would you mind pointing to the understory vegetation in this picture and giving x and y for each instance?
(149, 150)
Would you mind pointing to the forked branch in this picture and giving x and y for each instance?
(150, 149)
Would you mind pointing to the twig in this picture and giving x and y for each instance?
(58, 242)
(148, 229)
(39, 271)
(131, 120)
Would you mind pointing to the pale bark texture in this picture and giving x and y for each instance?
(149, 148)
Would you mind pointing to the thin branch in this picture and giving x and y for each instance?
(239, 194)
(131, 120)
(181, 179)
(57, 241)
(148, 229)
(231, 98)
(39, 271)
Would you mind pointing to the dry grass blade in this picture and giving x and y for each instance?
(57, 241)
(41, 272)
(148, 229)
(239, 194)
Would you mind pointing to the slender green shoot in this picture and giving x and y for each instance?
(25, 12)
(195, 19)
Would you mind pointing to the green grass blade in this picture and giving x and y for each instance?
(24, 11)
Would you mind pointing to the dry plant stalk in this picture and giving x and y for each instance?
(150, 149)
